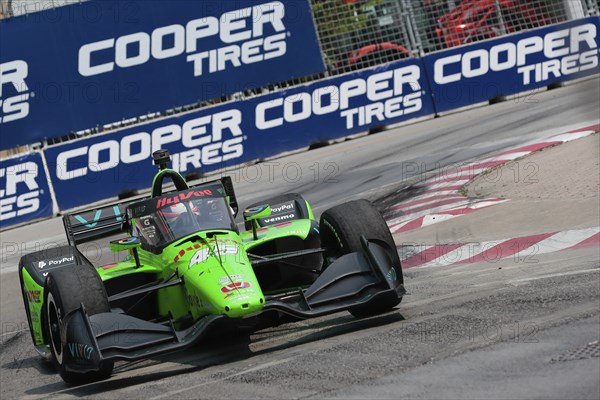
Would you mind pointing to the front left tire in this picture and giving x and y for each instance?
(65, 290)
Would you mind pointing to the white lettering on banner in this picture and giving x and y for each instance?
(562, 48)
(392, 94)
(205, 138)
(20, 178)
(16, 107)
(245, 25)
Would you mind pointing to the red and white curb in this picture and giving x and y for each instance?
(523, 249)
(439, 199)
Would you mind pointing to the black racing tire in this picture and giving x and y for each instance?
(341, 228)
(30, 263)
(65, 290)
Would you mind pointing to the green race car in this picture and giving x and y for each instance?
(189, 270)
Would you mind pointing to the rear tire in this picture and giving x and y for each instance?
(341, 228)
(65, 290)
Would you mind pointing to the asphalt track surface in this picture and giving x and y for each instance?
(471, 331)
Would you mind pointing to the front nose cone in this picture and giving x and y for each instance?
(242, 307)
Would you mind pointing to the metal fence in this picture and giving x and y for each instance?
(358, 34)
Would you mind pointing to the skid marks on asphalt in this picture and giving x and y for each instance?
(440, 198)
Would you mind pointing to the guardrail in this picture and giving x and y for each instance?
(102, 166)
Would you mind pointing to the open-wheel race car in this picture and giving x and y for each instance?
(190, 270)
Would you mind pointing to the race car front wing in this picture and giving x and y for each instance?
(355, 280)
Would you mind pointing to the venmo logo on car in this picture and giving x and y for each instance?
(244, 30)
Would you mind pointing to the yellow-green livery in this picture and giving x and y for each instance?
(187, 269)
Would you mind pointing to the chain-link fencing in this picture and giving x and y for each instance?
(359, 34)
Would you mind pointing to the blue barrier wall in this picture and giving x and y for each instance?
(24, 192)
(511, 64)
(102, 166)
(99, 62)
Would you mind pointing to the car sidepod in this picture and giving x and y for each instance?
(33, 270)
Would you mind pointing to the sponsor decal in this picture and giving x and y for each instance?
(391, 94)
(197, 246)
(33, 296)
(80, 351)
(182, 197)
(233, 286)
(244, 31)
(297, 232)
(148, 228)
(230, 279)
(283, 207)
(279, 218)
(199, 257)
(99, 214)
(14, 92)
(182, 252)
(254, 210)
(19, 190)
(202, 255)
(391, 275)
(51, 263)
(562, 50)
(332, 230)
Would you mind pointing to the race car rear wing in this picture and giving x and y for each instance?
(95, 223)
(108, 220)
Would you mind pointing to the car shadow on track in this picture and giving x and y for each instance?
(220, 351)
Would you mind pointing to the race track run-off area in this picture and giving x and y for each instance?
(440, 200)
